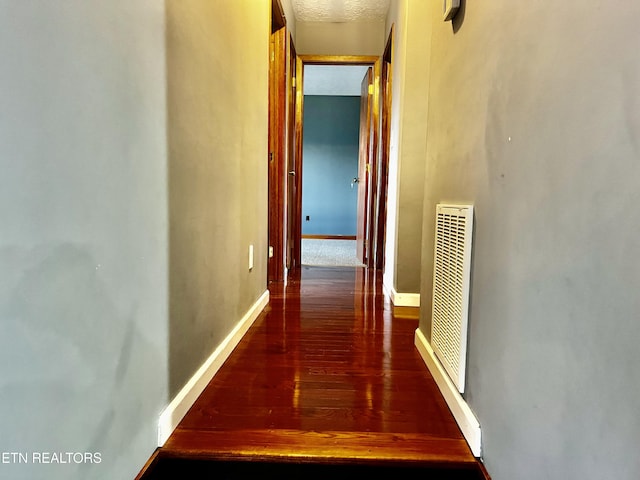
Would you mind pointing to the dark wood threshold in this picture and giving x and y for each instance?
(330, 237)
(312, 447)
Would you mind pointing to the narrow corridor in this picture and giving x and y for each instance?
(328, 377)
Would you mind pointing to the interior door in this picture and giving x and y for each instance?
(293, 218)
(364, 165)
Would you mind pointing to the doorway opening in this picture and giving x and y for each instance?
(345, 154)
(286, 218)
(333, 208)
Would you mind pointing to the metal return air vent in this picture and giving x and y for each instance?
(451, 271)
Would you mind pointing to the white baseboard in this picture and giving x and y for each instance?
(402, 299)
(463, 415)
(180, 405)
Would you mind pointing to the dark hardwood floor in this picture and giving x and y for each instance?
(327, 382)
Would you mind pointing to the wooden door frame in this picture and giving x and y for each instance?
(278, 142)
(385, 89)
(277, 159)
(364, 165)
(295, 250)
(375, 228)
(292, 222)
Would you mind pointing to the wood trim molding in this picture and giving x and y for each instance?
(277, 176)
(379, 234)
(330, 237)
(278, 19)
(339, 59)
(296, 208)
(177, 409)
(463, 415)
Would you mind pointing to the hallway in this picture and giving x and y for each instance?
(327, 378)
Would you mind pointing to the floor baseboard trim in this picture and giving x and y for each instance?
(177, 409)
(402, 299)
(463, 415)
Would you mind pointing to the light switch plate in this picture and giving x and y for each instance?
(450, 8)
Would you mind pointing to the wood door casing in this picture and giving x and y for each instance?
(292, 221)
(377, 258)
(366, 60)
(364, 155)
(277, 154)
(296, 182)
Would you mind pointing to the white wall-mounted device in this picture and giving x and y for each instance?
(450, 8)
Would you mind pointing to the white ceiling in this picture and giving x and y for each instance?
(333, 79)
(339, 10)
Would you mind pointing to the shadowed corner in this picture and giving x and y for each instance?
(458, 20)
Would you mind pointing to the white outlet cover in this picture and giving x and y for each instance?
(450, 8)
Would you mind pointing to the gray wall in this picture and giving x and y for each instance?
(217, 67)
(83, 234)
(534, 116)
(330, 162)
(407, 150)
(133, 156)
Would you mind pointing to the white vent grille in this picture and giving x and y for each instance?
(451, 270)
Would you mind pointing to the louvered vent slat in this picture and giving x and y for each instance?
(451, 270)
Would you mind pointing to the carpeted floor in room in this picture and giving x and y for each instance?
(330, 253)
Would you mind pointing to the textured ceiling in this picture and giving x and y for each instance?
(339, 10)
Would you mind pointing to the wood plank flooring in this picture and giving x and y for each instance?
(326, 379)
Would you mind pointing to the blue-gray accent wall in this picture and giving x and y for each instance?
(330, 162)
(83, 240)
